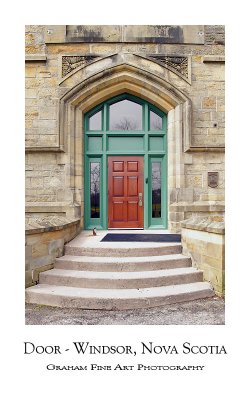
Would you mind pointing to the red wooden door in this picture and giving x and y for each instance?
(125, 192)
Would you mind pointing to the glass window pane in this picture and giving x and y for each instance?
(95, 190)
(156, 190)
(125, 116)
(155, 122)
(95, 122)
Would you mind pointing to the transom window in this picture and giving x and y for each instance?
(155, 122)
(125, 115)
(95, 122)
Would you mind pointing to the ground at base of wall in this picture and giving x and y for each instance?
(209, 311)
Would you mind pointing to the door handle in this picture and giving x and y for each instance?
(140, 199)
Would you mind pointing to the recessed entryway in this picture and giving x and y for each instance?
(125, 158)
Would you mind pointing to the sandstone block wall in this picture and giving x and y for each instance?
(204, 240)
(171, 62)
(44, 242)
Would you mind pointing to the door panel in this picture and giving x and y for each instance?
(118, 166)
(125, 186)
(118, 210)
(132, 210)
(132, 166)
(118, 186)
(132, 186)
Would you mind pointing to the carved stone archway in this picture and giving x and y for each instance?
(90, 85)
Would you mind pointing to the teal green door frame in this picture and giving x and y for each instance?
(101, 142)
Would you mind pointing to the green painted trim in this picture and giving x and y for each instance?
(93, 222)
(102, 156)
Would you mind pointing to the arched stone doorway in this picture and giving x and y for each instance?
(91, 85)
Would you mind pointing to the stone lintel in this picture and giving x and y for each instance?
(125, 33)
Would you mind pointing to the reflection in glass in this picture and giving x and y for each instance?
(95, 122)
(155, 122)
(156, 190)
(125, 115)
(94, 190)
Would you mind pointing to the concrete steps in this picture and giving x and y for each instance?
(124, 249)
(122, 263)
(116, 299)
(117, 276)
(120, 280)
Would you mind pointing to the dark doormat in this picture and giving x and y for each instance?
(140, 237)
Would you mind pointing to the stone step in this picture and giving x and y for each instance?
(116, 299)
(117, 264)
(122, 249)
(120, 280)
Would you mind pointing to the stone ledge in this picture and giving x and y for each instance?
(33, 207)
(36, 58)
(214, 59)
(198, 206)
(31, 149)
(204, 224)
(48, 224)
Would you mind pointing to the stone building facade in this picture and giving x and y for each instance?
(174, 74)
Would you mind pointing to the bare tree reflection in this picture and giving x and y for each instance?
(125, 115)
(126, 124)
(156, 124)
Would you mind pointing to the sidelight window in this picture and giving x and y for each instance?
(156, 189)
(95, 190)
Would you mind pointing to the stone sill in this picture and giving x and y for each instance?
(36, 58)
(214, 59)
(49, 224)
(199, 206)
(192, 148)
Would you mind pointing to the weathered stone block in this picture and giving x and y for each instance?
(215, 251)
(30, 72)
(41, 261)
(28, 256)
(31, 93)
(56, 247)
(194, 180)
(39, 249)
(28, 279)
(48, 113)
